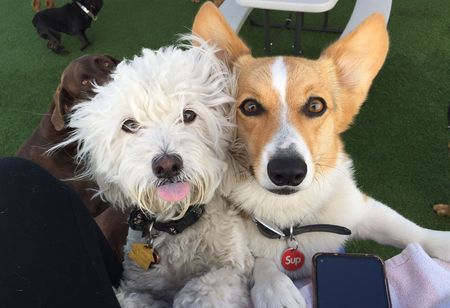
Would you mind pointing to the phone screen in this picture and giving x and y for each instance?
(347, 280)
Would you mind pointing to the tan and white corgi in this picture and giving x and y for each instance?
(290, 113)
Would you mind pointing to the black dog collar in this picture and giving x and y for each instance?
(84, 9)
(275, 233)
(139, 221)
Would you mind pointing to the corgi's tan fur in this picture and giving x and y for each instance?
(284, 88)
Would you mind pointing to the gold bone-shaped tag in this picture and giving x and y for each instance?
(142, 254)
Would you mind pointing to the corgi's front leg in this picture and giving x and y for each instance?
(385, 226)
(272, 288)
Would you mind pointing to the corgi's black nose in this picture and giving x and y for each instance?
(286, 171)
(167, 166)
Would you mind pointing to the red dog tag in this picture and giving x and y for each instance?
(292, 259)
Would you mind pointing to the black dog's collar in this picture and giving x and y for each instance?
(139, 221)
(84, 9)
(275, 233)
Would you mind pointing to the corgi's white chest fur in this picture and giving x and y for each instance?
(308, 243)
(329, 200)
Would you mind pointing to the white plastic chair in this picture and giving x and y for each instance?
(234, 13)
(365, 8)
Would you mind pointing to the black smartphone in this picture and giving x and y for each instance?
(349, 280)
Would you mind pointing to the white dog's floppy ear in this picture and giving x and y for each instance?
(210, 25)
(357, 59)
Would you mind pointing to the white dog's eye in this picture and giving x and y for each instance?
(130, 126)
(189, 116)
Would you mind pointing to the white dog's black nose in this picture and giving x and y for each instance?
(167, 166)
(286, 171)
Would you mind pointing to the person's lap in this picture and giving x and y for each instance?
(52, 252)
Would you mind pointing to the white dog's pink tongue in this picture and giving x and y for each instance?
(173, 192)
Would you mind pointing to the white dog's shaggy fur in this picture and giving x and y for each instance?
(207, 264)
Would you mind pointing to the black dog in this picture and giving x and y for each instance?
(73, 19)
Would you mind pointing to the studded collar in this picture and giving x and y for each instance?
(140, 221)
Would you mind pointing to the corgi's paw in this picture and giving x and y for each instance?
(277, 292)
(437, 244)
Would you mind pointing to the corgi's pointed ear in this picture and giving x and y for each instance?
(210, 25)
(357, 58)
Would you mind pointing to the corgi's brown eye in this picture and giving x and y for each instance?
(130, 126)
(251, 107)
(189, 116)
(315, 107)
(86, 82)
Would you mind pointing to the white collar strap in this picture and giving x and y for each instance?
(94, 18)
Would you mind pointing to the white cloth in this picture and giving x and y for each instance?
(415, 280)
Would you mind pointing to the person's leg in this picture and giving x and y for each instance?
(52, 254)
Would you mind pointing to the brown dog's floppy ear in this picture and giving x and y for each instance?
(357, 59)
(61, 101)
(210, 25)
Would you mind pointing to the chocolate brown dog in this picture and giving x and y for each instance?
(77, 82)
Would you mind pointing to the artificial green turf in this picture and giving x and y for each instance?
(398, 142)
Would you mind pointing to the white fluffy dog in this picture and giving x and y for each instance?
(156, 137)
